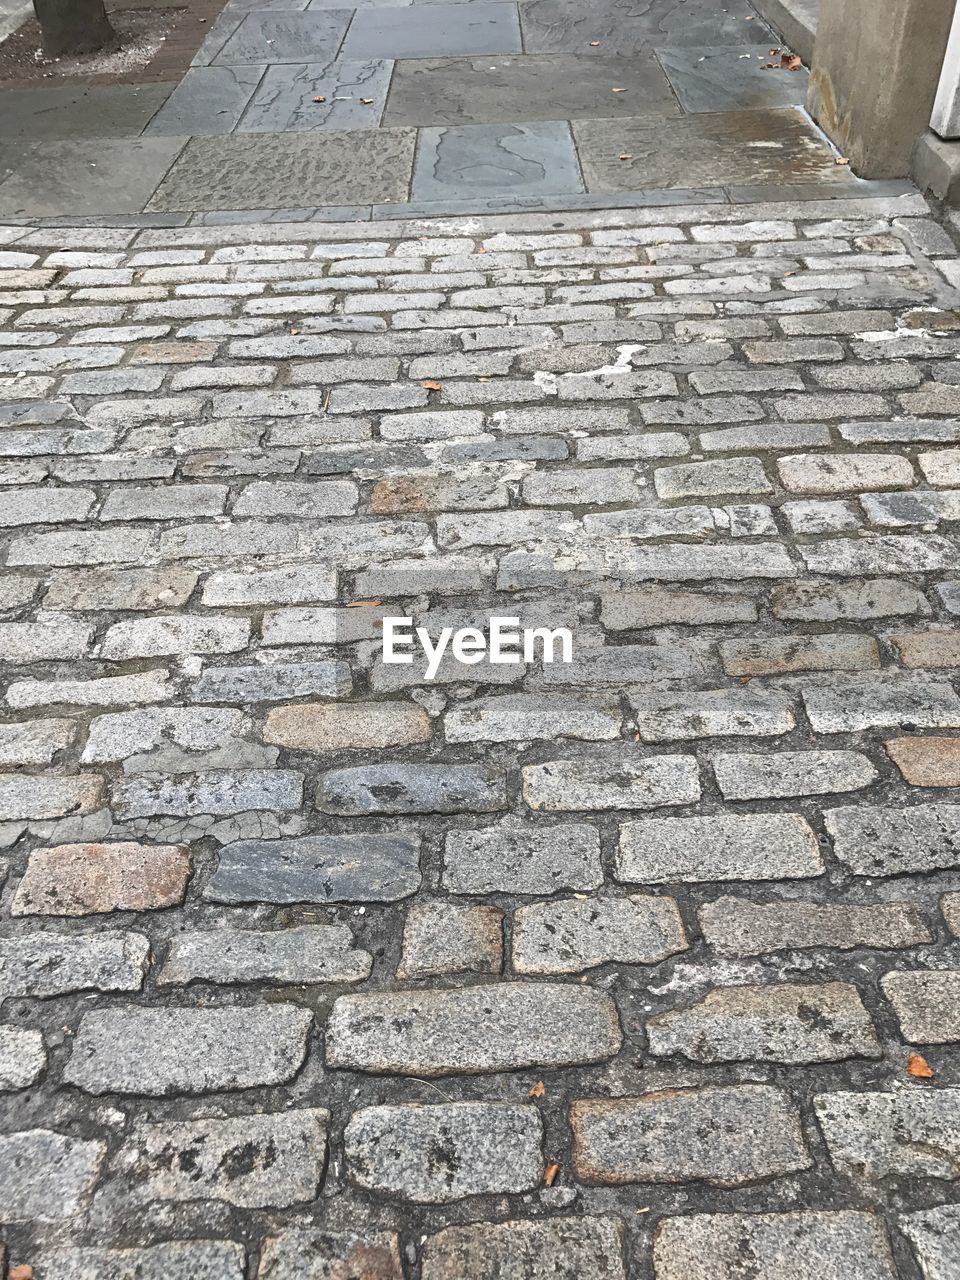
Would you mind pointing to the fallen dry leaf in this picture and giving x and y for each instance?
(538, 1090)
(294, 333)
(919, 1067)
(790, 61)
(626, 155)
(321, 98)
(432, 386)
(367, 101)
(618, 91)
(23, 1272)
(550, 1174)
(840, 160)
(594, 44)
(362, 604)
(774, 52)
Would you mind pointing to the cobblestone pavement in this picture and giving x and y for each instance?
(628, 967)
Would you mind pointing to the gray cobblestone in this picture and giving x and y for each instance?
(472, 1029)
(163, 1051)
(728, 1137)
(490, 1148)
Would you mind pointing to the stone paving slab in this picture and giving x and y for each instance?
(743, 147)
(259, 170)
(67, 111)
(208, 100)
(104, 175)
(355, 94)
(433, 31)
(281, 37)
(528, 87)
(621, 27)
(731, 79)
(496, 159)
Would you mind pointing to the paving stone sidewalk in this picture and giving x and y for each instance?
(643, 966)
(320, 108)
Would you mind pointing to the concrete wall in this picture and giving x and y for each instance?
(874, 78)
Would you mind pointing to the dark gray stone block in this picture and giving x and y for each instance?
(709, 150)
(624, 26)
(284, 102)
(496, 159)
(80, 111)
(433, 31)
(262, 171)
(103, 175)
(729, 78)
(208, 100)
(481, 90)
(323, 868)
(285, 37)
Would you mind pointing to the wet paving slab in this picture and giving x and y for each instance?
(496, 159)
(704, 150)
(526, 87)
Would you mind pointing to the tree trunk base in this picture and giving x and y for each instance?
(70, 27)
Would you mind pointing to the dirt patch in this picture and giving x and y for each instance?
(157, 42)
(141, 32)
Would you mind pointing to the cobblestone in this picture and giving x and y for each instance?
(640, 910)
(781, 1023)
(445, 1152)
(727, 1137)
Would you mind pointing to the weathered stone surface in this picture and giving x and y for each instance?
(308, 954)
(46, 1176)
(173, 739)
(876, 840)
(600, 783)
(22, 1057)
(220, 791)
(34, 741)
(252, 1161)
(779, 1246)
(581, 1248)
(912, 1133)
(50, 964)
(770, 846)
(724, 1136)
(442, 1153)
(935, 1236)
(444, 937)
(779, 656)
(411, 788)
(756, 776)
(778, 1023)
(199, 1259)
(927, 1004)
(472, 1029)
(273, 682)
(856, 705)
(80, 879)
(573, 934)
(668, 717)
(321, 868)
(26, 796)
(740, 927)
(522, 859)
(521, 717)
(927, 762)
(367, 725)
(166, 1051)
(309, 1253)
(150, 686)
